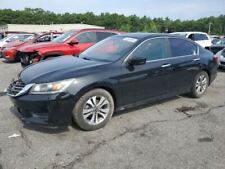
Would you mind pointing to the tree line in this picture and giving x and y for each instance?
(120, 22)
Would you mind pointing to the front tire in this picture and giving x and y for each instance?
(94, 109)
(200, 84)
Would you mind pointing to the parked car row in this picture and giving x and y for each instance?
(116, 73)
(30, 50)
(10, 50)
(14, 37)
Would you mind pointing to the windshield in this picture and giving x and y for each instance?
(7, 37)
(110, 49)
(29, 38)
(62, 38)
(221, 42)
(20, 37)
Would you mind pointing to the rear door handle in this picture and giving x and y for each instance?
(196, 59)
(166, 65)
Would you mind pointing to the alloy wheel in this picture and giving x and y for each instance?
(201, 84)
(96, 110)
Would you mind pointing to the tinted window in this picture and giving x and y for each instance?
(103, 35)
(200, 37)
(87, 37)
(182, 47)
(151, 50)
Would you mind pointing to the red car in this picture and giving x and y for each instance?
(10, 50)
(72, 42)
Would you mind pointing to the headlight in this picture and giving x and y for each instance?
(50, 88)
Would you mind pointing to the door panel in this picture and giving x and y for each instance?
(148, 80)
(185, 63)
(183, 71)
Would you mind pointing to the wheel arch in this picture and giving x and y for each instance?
(209, 74)
(107, 87)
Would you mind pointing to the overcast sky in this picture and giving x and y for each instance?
(174, 9)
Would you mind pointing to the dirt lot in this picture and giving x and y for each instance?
(180, 133)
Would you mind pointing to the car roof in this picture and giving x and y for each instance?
(188, 32)
(146, 35)
(95, 29)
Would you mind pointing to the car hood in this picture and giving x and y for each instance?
(14, 44)
(36, 47)
(2, 43)
(57, 69)
(222, 46)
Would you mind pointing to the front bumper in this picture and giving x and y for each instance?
(45, 110)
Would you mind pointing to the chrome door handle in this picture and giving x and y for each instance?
(166, 65)
(196, 59)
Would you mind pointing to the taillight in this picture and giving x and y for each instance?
(216, 59)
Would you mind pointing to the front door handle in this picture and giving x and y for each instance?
(166, 65)
(196, 59)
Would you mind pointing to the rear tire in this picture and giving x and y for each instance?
(200, 84)
(94, 109)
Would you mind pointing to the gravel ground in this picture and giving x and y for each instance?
(179, 133)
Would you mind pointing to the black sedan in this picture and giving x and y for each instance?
(120, 72)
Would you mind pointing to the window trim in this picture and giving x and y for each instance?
(127, 58)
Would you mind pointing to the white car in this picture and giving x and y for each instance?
(201, 38)
(14, 37)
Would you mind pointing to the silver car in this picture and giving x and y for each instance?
(221, 55)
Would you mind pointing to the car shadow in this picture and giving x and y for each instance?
(147, 105)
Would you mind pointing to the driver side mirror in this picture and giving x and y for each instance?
(131, 63)
(139, 61)
(73, 42)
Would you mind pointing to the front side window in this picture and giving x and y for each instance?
(86, 37)
(191, 36)
(153, 49)
(182, 47)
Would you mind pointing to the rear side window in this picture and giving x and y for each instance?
(182, 47)
(200, 37)
(103, 35)
(153, 49)
(87, 37)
